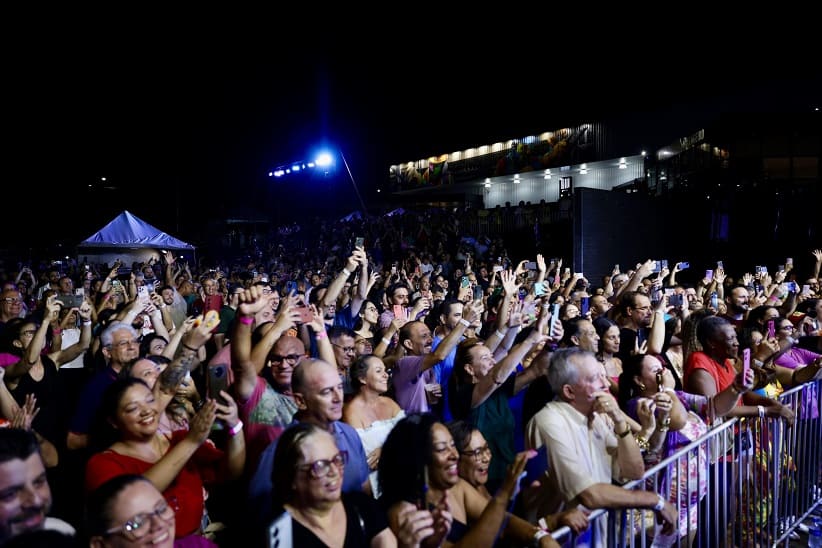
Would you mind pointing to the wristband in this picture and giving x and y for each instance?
(188, 347)
(538, 536)
(501, 334)
(386, 341)
(247, 320)
(86, 322)
(56, 330)
(347, 272)
(235, 429)
(320, 334)
(761, 409)
(627, 431)
(465, 322)
(660, 503)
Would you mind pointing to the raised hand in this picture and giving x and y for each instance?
(201, 423)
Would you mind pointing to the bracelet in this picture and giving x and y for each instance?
(642, 443)
(660, 503)
(465, 322)
(234, 430)
(320, 335)
(86, 322)
(188, 347)
(56, 330)
(538, 536)
(386, 341)
(666, 422)
(501, 334)
(347, 272)
(761, 409)
(247, 320)
(627, 431)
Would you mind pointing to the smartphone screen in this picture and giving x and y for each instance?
(399, 312)
(771, 329)
(585, 305)
(709, 275)
(359, 242)
(217, 380)
(554, 317)
(746, 361)
(465, 282)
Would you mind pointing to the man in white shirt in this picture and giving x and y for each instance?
(589, 445)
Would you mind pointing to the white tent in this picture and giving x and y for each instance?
(130, 239)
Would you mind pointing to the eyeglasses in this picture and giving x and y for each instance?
(293, 358)
(787, 327)
(478, 453)
(346, 349)
(139, 526)
(124, 344)
(320, 468)
(12, 300)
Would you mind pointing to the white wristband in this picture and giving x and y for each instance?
(660, 503)
(347, 272)
(761, 409)
(501, 334)
(465, 322)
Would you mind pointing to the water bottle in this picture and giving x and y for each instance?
(815, 535)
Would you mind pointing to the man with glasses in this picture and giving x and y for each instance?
(11, 306)
(120, 345)
(319, 396)
(345, 352)
(25, 495)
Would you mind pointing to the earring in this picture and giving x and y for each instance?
(642, 387)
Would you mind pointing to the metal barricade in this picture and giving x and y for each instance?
(747, 482)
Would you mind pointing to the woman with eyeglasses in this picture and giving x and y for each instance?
(474, 458)
(419, 469)
(307, 478)
(795, 365)
(366, 327)
(372, 414)
(36, 371)
(128, 511)
(182, 467)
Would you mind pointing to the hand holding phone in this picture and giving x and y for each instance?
(771, 329)
(746, 362)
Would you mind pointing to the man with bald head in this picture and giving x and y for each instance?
(318, 392)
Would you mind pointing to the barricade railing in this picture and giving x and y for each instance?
(746, 482)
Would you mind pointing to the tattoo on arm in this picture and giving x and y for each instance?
(172, 375)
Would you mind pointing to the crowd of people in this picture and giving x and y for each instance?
(383, 391)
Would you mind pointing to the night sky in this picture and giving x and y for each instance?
(186, 131)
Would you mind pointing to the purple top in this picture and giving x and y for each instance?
(409, 384)
(796, 357)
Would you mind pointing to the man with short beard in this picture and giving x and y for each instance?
(25, 495)
(737, 306)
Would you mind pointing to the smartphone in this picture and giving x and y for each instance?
(567, 270)
(554, 318)
(465, 282)
(771, 329)
(306, 316)
(655, 267)
(720, 264)
(539, 289)
(780, 268)
(761, 269)
(584, 305)
(80, 291)
(217, 380)
(359, 242)
(290, 286)
(714, 301)
(806, 290)
(142, 291)
(746, 361)
(498, 268)
(149, 286)
(478, 293)
(531, 265)
(684, 266)
(663, 264)
(70, 301)
(675, 300)
(422, 489)
(709, 275)
(399, 312)
(788, 261)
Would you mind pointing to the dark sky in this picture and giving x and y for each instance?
(186, 131)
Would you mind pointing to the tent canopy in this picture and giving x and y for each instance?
(128, 231)
(129, 239)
